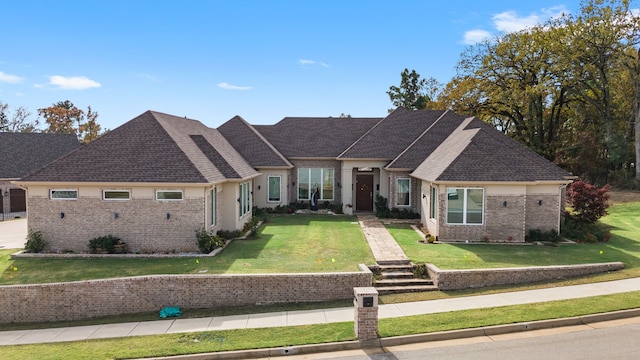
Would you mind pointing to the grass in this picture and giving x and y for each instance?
(290, 243)
(624, 222)
(212, 341)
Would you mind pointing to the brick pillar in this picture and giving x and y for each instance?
(365, 305)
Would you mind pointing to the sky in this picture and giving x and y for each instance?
(262, 60)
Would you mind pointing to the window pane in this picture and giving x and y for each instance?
(247, 194)
(455, 206)
(474, 206)
(64, 194)
(434, 202)
(327, 184)
(116, 195)
(241, 205)
(274, 188)
(303, 184)
(403, 192)
(316, 181)
(169, 195)
(213, 206)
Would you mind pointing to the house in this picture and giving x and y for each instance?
(156, 179)
(21, 154)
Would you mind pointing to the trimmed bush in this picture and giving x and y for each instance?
(35, 242)
(207, 241)
(104, 243)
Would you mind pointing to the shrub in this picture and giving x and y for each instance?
(105, 243)
(229, 234)
(535, 235)
(35, 242)
(207, 241)
(589, 202)
(382, 210)
(583, 232)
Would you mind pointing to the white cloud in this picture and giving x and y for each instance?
(473, 37)
(11, 79)
(510, 21)
(148, 77)
(73, 83)
(312, 63)
(228, 86)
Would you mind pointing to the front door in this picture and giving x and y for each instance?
(364, 192)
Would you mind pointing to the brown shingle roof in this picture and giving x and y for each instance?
(298, 137)
(153, 147)
(252, 145)
(392, 135)
(481, 153)
(23, 153)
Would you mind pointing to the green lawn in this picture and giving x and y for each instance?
(624, 220)
(288, 243)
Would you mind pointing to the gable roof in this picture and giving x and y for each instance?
(257, 150)
(152, 148)
(23, 153)
(475, 151)
(392, 135)
(309, 137)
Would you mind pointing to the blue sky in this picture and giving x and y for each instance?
(262, 60)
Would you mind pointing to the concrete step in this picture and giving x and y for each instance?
(385, 290)
(397, 274)
(394, 262)
(402, 282)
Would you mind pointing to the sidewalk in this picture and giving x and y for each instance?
(383, 246)
(306, 317)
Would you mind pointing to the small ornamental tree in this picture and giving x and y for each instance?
(589, 202)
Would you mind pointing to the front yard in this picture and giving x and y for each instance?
(623, 220)
(288, 243)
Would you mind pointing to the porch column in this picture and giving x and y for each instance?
(347, 189)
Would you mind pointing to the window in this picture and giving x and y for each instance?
(273, 191)
(63, 194)
(245, 198)
(117, 195)
(169, 195)
(213, 207)
(465, 206)
(403, 192)
(315, 179)
(434, 203)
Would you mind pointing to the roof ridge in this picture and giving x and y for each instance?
(366, 133)
(417, 138)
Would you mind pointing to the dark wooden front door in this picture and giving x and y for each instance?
(364, 192)
(18, 200)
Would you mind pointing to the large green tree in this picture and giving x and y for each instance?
(413, 92)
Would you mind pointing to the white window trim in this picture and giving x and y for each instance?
(244, 201)
(464, 206)
(279, 188)
(170, 190)
(397, 180)
(320, 198)
(62, 199)
(116, 199)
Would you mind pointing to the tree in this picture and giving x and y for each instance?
(17, 121)
(65, 118)
(589, 202)
(413, 93)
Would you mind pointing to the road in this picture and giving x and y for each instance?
(619, 339)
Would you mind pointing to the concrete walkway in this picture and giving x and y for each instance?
(383, 246)
(320, 316)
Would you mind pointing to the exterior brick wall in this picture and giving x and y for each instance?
(542, 212)
(337, 177)
(465, 279)
(96, 298)
(141, 223)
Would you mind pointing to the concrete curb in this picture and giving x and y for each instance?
(410, 339)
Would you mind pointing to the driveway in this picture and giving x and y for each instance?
(13, 234)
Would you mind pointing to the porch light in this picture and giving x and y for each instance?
(61, 215)
(168, 216)
(540, 202)
(424, 196)
(504, 203)
(6, 192)
(115, 215)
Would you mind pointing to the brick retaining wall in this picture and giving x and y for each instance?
(95, 298)
(465, 279)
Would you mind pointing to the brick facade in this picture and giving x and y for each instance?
(466, 279)
(96, 298)
(146, 225)
(393, 194)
